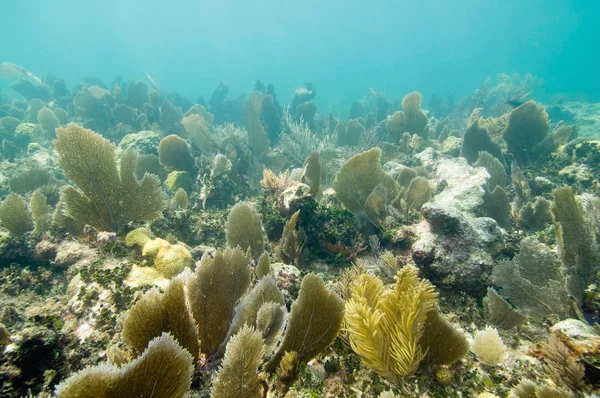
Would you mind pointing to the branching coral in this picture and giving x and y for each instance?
(385, 325)
(488, 347)
(562, 367)
(359, 176)
(238, 375)
(14, 215)
(109, 197)
(244, 228)
(213, 292)
(314, 322)
(163, 370)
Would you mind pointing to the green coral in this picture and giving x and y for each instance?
(108, 197)
(213, 292)
(164, 370)
(359, 176)
(244, 229)
(174, 154)
(238, 375)
(526, 129)
(14, 215)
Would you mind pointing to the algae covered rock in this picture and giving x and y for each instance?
(464, 184)
(179, 180)
(144, 142)
(453, 250)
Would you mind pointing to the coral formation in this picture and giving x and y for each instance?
(163, 370)
(200, 246)
(385, 325)
(108, 198)
(244, 229)
(488, 346)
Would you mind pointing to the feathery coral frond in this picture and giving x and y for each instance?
(385, 326)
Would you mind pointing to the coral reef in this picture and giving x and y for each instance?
(240, 246)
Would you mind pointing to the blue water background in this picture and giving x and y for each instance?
(343, 47)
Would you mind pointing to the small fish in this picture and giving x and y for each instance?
(514, 103)
(152, 81)
(11, 71)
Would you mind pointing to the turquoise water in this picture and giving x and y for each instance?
(343, 47)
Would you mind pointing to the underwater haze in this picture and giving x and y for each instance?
(343, 47)
(299, 199)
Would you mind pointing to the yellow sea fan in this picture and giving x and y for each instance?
(385, 325)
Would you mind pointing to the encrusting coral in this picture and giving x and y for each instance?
(109, 197)
(168, 259)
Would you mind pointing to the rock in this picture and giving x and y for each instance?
(291, 198)
(104, 238)
(541, 185)
(404, 237)
(198, 251)
(577, 172)
(288, 279)
(45, 250)
(4, 337)
(579, 336)
(453, 250)
(465, 184)
(144, 142)
(73, 253)
(25, 132)
(393, 168)
(451, 146)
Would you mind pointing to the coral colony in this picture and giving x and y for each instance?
(155, 247)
